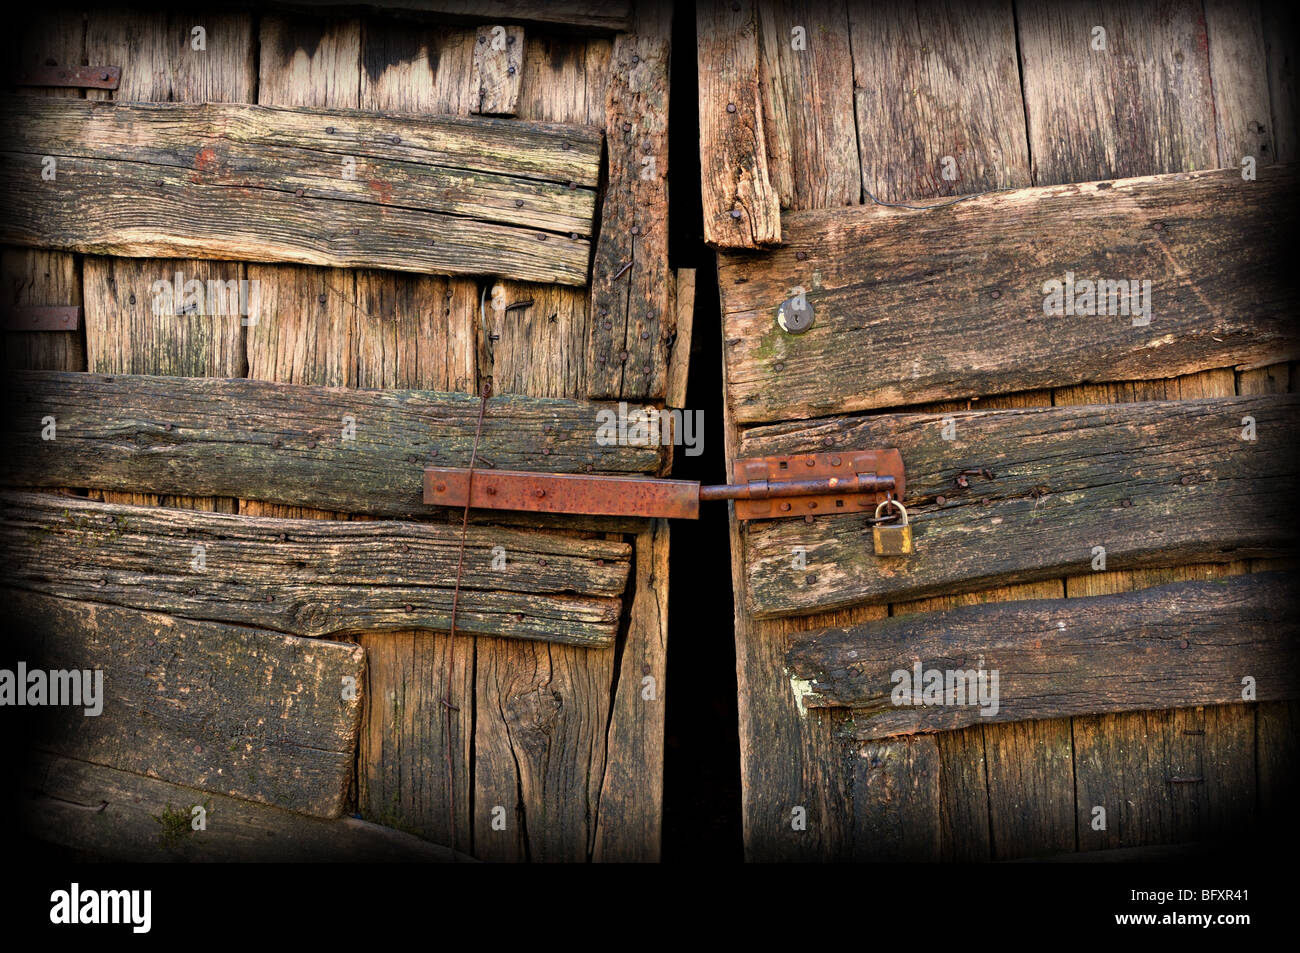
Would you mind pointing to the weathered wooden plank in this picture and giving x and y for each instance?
(896, 801)
(630, 823)
(1169, 646)
(1208, 243)
(679, 364)
(937, 93)
(119, 816)
(808, 92)
(32, 276)
(285, 443)
(1140, 105)
(497, 73)
(632, 325)
(236, 711)
(605, 16)
(316, 577)
(1150, 482)
(741, 208)
(125, 332)
(312, 186)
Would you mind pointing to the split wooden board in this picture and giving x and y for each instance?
(1175, 646)
(119, 816)
(316, 577)
(359, 451)
(237, 711)
(914, 306)
(342, 188)
(1153, 484)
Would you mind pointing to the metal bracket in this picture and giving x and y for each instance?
(82, 77)
(808, 485)
(38, 318)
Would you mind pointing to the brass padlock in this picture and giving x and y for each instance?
(892, 539)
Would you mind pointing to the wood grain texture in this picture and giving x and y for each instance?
(1216, 293)
(896, 801)
(498, 69)
(630, 823)
(118, 816)
(1141, 106)
(679, 363)
(1165, 647)
(937, 95)
(314, 187)
(34, 276)
(807, 103)
(285, 443)
(610, 16)
(741, 208)
(243, 712)
(315, 577)
(125, 334)
(1147, 481)
(633, 325)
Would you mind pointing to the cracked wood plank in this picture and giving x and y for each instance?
(119, 816)
(632, 323)
(1154, 483)
(741, 208)
(316, 577)
(284, 443)
(606, 16)
(238, 711)
(1207, 242)
(1174, 646)
(498, 70)
(340, 188)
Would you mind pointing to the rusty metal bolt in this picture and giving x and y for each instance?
(785, 507)
(491, 491)
(539, 493)
(829, 441)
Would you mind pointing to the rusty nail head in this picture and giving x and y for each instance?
(731, 107)
(645, 335)
(985, 501)
(785, 507)
(608, 324)
(1183, 644)
(324, 298)
(510, 71)
(811, 461)
(541, 562)
(835, 461)
(298, 193)
(635, 58)
(600, 562)
(645, 369)
(736, 213)
(519, 203)
(1158, 225)
(778, 366)
(941, 500)
(409, 609)
(167, 427)
(800, 256)
(491, 491)
(442, 488)
(546, 451)
(636, 229)
(807, 517)
(997, 294)
(627, 127)
(622, 356)
(829, 441)
(539, 493)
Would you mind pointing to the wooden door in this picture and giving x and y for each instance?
(219, 507)
(1099, 489)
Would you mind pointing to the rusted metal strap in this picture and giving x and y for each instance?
(42, 318)
(82, 77)
(812, 484)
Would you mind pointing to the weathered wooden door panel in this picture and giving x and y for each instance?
(322, 187)
(457, 734)
(238, 711)
(288, 443)
(1180, 645)
(1006, 496)
(948, 103)
(1118, 280)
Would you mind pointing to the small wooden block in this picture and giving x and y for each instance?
(498, 68)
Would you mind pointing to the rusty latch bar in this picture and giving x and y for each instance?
(40, 318)
(773, 487)
(82, 77)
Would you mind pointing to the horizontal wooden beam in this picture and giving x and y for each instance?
(236, 711)
(1194, 643)
(611, 16)
(114, 815)
(1153, 484)
(342, 188)
(915, 306)
(316, 577)
(357, 451)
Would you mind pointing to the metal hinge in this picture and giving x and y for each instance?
(808, 485)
